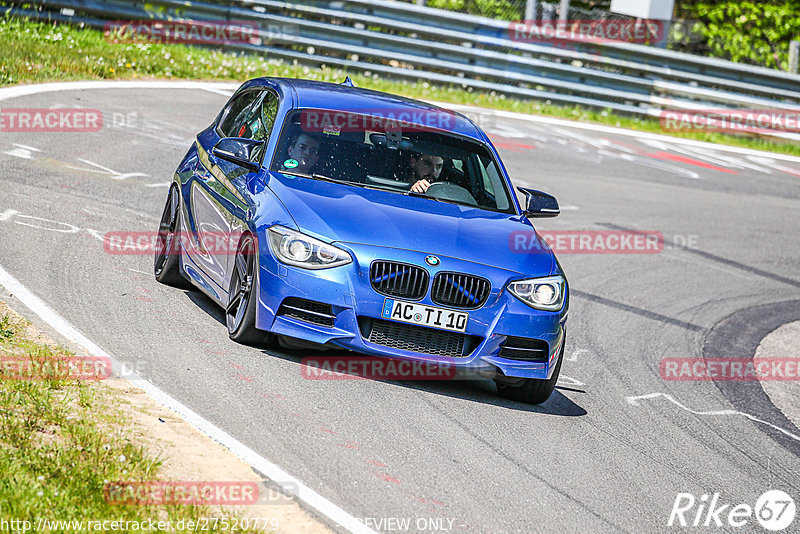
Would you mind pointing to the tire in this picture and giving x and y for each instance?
(240, 313)
(167, 260)
(533, 390)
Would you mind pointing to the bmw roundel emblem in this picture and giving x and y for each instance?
(433, 261)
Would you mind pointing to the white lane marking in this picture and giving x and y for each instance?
(770, 162)
(709, 155)
(140, 272)
(612, 130)
(569, 381)
(65, 228)
(734, 161)
(19, 153)
(26, 147)
(286, 481)
(100, 169)
(218, 91)
(569, 207)
(68, 228)
(22, 151)
(634, 401)
(596, 142)
(655, 143)
(99, 236)
(606, 148)
(35, 89)
(6, 215)
(159, 184)
(657, 164)
(697, 153)
(575, 353)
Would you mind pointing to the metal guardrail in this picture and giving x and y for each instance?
(409, 41)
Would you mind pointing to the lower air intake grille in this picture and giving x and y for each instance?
(522, 348)
(307, 310)
(420, 339)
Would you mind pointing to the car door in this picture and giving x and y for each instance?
(219, 194)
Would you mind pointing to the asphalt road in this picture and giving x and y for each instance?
(589, 460)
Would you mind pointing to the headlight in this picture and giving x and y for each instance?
(541, 293)
(300, 250)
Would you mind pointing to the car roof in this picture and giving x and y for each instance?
(323, 95)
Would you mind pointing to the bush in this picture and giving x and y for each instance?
(496, 9)
(758, 33)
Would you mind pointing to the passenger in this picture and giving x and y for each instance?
(304, 151)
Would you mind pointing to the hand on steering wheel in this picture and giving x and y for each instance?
(420, 186)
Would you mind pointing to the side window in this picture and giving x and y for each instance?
(269, 111)
(237, 112)
(492, 182)
(252, 116)
(487, 183)
(261, 118)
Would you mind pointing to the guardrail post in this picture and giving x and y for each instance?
(420, 2)
(794, 56)
(563, 10)
(530, 10)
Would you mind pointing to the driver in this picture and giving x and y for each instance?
(303, 152)
(426, 169)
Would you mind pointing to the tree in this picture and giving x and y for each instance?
(758, 33)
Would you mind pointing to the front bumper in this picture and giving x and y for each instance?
(355, 307)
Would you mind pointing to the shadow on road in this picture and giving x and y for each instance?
(207, 305)
(480, 390)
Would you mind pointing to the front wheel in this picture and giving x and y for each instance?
(167, 261)
(240, 313)
(533, 390)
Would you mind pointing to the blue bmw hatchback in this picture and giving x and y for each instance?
(361, 220)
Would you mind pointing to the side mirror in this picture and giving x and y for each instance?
(239, 151)
(539, 204)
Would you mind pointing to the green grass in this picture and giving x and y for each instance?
(62, 440)
(35, 52)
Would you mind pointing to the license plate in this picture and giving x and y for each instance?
(419, 314)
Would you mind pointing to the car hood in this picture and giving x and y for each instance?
(348, 214)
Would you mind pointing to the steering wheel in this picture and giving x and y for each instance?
(451, 191)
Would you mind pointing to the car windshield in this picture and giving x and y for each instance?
(378, 153)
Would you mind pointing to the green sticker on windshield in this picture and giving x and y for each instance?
(290, 163)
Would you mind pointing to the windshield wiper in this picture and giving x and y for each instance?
(295, 173)
(422, 195)
(437, 199)
(313, 176)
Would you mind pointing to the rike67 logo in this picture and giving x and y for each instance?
(774, 510)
